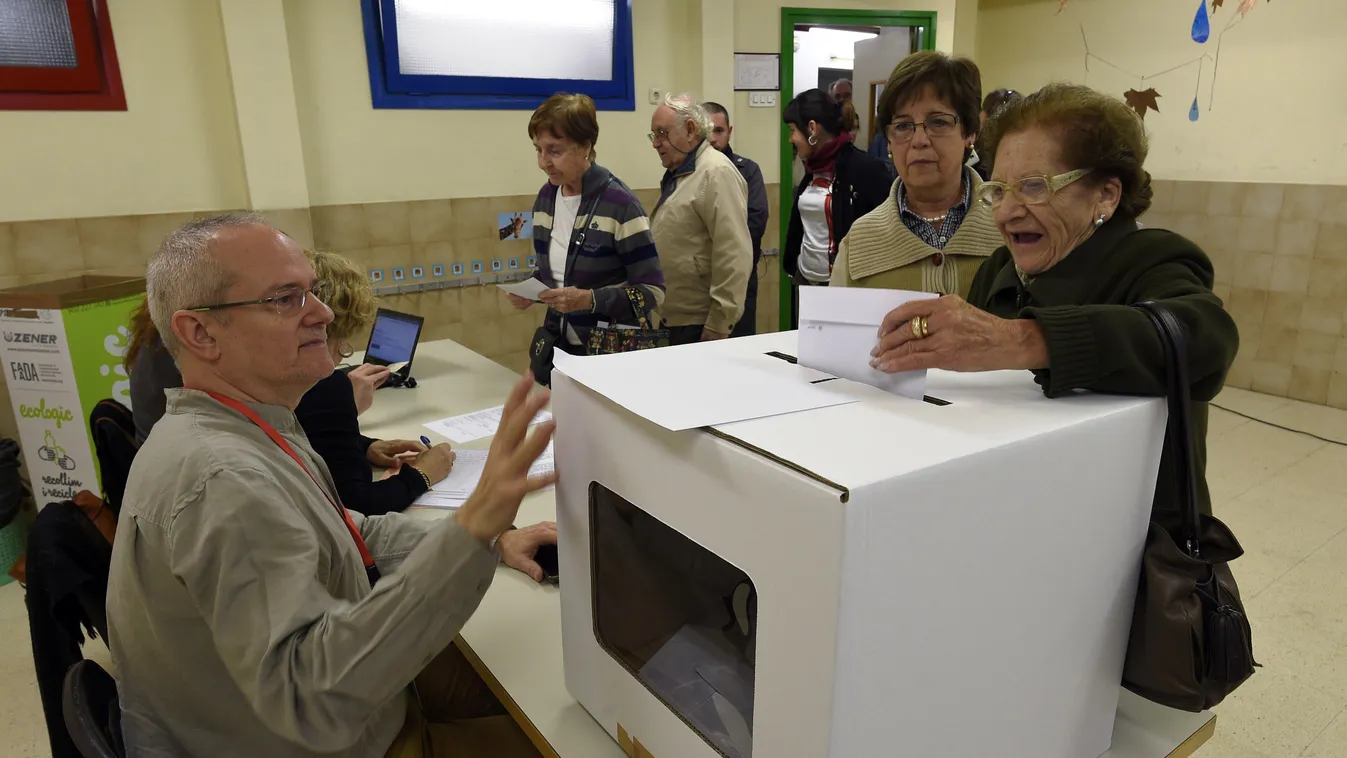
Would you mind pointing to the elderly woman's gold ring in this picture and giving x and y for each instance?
(919, 330)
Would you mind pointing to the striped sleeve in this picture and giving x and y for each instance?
(635, 248)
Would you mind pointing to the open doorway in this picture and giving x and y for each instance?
(847, 54)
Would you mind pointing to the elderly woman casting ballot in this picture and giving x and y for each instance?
(1067, 188)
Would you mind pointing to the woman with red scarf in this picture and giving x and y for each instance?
(841, 184)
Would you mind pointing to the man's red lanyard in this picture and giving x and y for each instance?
(371, 570)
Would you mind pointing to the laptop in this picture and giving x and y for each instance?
(392, 341)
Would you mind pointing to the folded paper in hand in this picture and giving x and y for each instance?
(839, 326)
(528, 289)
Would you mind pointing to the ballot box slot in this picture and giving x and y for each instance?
(938, 402)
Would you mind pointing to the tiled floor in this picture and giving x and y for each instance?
(1284, 494)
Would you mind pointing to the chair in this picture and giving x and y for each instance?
(89, 703)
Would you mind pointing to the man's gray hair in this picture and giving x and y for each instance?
(832, 88)
(183, 273)
(686, 108)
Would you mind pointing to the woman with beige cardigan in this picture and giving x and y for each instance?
(931, 235)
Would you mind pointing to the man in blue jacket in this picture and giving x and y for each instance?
(757, 210)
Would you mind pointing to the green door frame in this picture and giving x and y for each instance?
(836, 17)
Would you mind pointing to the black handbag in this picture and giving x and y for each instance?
(545, 341)
(1191, 644)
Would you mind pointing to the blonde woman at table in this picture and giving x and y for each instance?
(329, 409)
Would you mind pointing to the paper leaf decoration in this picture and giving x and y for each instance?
(1245, 6)
(1217, 4)
(1141, 101)
(1061, 5)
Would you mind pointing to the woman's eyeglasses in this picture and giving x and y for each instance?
(287, 301)
(1031, 190)
(938, 125)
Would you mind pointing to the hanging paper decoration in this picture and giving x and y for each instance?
(1202, 23)
(1061, 5)
(1217, 4)
(1245, 6)
(1194, 112)
(1141, 101)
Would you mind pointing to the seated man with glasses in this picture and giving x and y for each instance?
(250, 613)
(930, 236)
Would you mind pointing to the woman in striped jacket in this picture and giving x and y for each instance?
(593, 273)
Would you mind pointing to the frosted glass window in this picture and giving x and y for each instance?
(36, 33)
(516, 39)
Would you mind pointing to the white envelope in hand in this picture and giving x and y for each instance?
(839, 326)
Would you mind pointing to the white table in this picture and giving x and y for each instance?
(514, 639)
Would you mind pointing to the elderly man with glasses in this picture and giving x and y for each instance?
(700, 225)
(250, 613)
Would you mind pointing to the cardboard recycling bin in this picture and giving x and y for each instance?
(61, 348)
(951, 578)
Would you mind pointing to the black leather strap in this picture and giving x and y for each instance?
(1179, 434)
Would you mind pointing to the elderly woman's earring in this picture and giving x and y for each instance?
(345, 349)
(813, 139)
(1100, 221)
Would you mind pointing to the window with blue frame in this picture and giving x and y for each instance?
(502, 54)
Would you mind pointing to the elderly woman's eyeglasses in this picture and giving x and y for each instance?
(287, 301)
(1031, 190)
(937, 125)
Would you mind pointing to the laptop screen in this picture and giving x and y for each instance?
(394, 337)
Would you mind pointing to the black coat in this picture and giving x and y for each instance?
(862, 183)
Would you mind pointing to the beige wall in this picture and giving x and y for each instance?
(356, 154)
(1279, 108)
(175, 148)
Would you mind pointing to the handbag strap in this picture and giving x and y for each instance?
(1179, 433)
(637, 301)
(579, 240)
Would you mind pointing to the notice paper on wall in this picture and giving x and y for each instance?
(476, 425)
(839, 326)
(454, 490)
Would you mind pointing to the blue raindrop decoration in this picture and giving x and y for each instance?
(1194, 112)
(1202, 23)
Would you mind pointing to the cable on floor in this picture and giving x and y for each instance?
(1278, 426)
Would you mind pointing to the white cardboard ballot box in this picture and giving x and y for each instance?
(886, 577)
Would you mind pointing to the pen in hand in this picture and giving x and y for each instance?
(425, 440)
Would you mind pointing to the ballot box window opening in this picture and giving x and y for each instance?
(679, 618)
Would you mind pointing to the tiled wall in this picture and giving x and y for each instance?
(386, 235)
(1280, 253)
(376, 236)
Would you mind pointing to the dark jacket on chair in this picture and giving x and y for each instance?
(861, 184)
